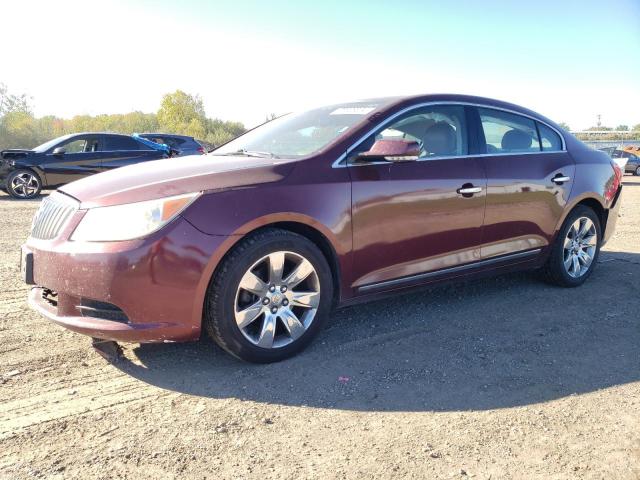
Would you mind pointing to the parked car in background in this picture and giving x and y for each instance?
(627, 158)
(616, 156)
(181, 144)
(631, 158)
(608, 150)
(256, 242)
(23, 173)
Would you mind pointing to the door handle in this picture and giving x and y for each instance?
(469, 190)
(559, 179)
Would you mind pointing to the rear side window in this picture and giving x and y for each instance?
(549, 139)
(122, 143)
(506, 132)
(174, 142)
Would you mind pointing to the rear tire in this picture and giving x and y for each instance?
(637, 172)
(256, 309)
(24, 184)
(575, 252)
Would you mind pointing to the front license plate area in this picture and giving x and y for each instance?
(26, 265)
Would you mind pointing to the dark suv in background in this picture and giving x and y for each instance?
(180, 144)
(23, 173)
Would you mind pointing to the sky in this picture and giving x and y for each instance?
(568, 60)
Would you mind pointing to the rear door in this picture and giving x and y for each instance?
(413, 218)
(122, 150)
(529, 179)
(82, 157)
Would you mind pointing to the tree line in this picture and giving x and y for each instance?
(179, 113)
(621, 132)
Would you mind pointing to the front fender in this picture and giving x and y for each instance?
(324, 207)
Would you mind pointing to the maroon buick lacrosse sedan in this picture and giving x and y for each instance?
(256, 242)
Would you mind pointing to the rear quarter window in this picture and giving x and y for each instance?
(549, 139)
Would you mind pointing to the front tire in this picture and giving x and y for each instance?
(575, 252)
(637, 172)
(24, 184)
(269, 297)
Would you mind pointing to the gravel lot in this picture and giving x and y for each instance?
(500, 378)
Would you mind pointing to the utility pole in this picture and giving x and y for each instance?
(599, 122)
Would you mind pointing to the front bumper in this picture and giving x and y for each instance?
(612, 216)
(5, 170)
(155, 285)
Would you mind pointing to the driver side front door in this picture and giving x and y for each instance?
(416, 220)
(82, 157)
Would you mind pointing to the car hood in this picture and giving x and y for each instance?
(15, 153)
(175, 176)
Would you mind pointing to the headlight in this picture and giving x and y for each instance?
(131, 220)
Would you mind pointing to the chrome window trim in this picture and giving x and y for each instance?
(340, 161)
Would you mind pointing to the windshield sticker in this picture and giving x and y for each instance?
(352, 110)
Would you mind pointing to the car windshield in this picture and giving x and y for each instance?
(47, 145)
(300, 134)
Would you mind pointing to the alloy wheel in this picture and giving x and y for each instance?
(580, 247)
(25, 185)
(277, 299)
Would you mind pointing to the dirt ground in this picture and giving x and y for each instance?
(500, 378)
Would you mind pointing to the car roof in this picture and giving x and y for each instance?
(457, 98)
(111, 134)
(165, 135)
(392, 103)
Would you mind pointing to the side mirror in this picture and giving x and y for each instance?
(59, 151)
(392, 151)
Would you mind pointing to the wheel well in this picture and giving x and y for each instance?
(320, 241)
(597, 207)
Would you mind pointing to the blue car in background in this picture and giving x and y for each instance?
(180, 144)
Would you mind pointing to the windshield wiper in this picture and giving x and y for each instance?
(251, 153)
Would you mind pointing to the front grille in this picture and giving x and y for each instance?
(52, 215)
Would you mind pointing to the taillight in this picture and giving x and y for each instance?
(618, 172)
(201, 150)
(615, 185)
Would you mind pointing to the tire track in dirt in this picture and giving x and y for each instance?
(86, 397)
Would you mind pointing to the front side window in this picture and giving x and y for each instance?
(301, 134)
(549, 139)
(506, 132)
(438, 131)
(81, 145)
